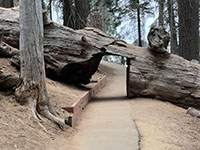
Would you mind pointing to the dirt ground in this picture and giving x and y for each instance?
(19, 130)
(164, 126)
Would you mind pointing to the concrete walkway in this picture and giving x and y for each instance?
(106, 123)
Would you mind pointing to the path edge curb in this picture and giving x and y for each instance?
(79, 105)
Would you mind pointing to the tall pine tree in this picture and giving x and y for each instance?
(188, 11)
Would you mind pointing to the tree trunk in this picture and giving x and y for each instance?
(161, 9)
(172, 25)
(139, 25)
(157, 74)
(102, 9)
(68, 58)
(33, 91)
(172, 79)
(68, 14)
(188, 29)
(6, 3)
(95, 20)
(82, 12)
(49, 9)
(152, 72)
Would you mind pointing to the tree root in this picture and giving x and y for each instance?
(39, 104)
(37, 116)
(46, 112)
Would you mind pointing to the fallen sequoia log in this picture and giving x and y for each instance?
(75, 55)
(157, 74)
(69, 57)
(7, 81)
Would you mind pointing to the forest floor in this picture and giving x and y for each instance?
(20, 130)
(162, 126)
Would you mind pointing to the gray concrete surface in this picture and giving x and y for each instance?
(106, 122)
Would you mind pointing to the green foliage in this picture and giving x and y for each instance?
(123, 16)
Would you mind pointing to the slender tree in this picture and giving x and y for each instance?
(139, 24)
(68, 14)
(75, 13)
(172, 25)
(82, 12)
(188, 12)
(161, 14)
(49, 8)
(32, 90)
(102, 11)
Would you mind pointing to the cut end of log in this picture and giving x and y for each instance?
(158, 39)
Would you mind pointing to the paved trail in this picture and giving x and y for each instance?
(106, 122)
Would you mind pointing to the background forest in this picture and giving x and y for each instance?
(130, 20)
(47, 68)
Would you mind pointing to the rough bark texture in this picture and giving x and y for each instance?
(68, 14)
(75, 13)
(161, 15)
(172, 25)
(158, 39)
(68, 58)
(95, 20)
(32, 90)
(82, 12)
(171, 22)
(139, 25)
(157, 74)
(189, 29)
(8, 82)
(150, 74)
(7, 51)
(172, 79)
(102, 9)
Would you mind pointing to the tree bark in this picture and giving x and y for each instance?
(102, 10)
(65, 52)
(151, 73)
(8, 82)
(158, 39)
(157, 74)
(82, 12)
(172, 25)
(32, 90)
(188, 12)
(172, 79)
(161, 14)
(75, 16)
(95, 20)
(68, 14)
(139, 25)
(50, 9)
